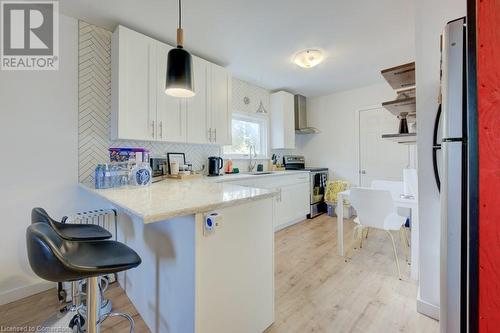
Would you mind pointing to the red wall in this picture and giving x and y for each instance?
(488, 66)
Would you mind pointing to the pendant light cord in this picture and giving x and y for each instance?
(180, 15)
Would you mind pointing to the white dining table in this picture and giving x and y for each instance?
(412, 204)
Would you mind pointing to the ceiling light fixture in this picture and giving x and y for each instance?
(179, 81)
(308, 58)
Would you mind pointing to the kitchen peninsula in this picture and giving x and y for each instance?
(193, 279)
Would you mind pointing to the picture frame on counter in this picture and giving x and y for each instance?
(180, 158)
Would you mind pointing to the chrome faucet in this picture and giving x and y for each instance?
(251, 161)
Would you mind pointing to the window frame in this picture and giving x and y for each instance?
(263, 121)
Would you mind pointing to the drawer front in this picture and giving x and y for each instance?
(279, 181)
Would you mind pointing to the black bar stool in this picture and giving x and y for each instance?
(72, 232)
(55, 259)
(68, 231)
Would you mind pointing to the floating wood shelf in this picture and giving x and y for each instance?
(400, 77)
(403, 105)
(407, 139)
(407, 93)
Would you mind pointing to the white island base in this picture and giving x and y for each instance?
(192, 282)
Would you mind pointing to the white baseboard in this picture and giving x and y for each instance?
(428, 309)
(25, 291)
(285, 225)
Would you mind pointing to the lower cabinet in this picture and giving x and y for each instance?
(292, 204)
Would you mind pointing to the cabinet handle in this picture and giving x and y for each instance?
(215, 134)
(153, 129)
(209, 135)
(161, 129)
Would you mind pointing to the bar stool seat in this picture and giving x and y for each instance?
(56, 259)
(68, 231)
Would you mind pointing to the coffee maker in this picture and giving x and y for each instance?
(214, 166)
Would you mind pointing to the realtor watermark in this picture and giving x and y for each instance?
(30, 35)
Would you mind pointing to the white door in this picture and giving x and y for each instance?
(197, 114)
(380, 158)
(171, 118)
(220, 101)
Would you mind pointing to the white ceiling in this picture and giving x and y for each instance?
(256, 39)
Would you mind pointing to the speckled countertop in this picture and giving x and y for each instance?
(173, 198)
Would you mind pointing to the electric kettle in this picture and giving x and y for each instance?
(214, 165)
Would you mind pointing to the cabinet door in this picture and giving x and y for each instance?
(294, 204)
(300, 200)
(171, 118)
(220, 104)
(289, 122)
(133, 86)
(198, 121)
(282, 120)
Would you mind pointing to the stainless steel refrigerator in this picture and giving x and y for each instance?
(451, 168)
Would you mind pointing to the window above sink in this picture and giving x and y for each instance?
(248, 131)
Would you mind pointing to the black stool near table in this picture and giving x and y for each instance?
(63, 252)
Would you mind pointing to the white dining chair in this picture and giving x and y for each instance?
(375, 209)
(397, 189)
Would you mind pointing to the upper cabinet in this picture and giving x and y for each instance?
(133, 77)
(220, 102)
(142, 111)
(170, 116)
(197, 110)
(282, 120)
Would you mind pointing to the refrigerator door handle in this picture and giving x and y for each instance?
(435, 147)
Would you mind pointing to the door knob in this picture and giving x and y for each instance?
(363, 172)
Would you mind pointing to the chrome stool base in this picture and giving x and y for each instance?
(66, 320)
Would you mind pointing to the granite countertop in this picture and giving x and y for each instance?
(173, 198)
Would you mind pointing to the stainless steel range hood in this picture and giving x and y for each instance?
(301, 116)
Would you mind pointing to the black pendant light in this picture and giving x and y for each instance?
(179, 82)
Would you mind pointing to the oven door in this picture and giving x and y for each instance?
(318, 186)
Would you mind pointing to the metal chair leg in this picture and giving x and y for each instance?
(120, 314)
(395, 253)
(358, 235)
(402, 238)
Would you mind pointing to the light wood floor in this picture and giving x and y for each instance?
(316, 290)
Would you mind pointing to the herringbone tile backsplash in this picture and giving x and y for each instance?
(95, 107)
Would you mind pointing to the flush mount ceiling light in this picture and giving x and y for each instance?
(308, 58)
(179, 81)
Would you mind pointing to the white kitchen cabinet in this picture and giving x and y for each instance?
(220, 105)
(133, 75)
(209, 111)
(170, 116)
(282, 120)
(142, 111)
(198, 122)
(292, 203)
